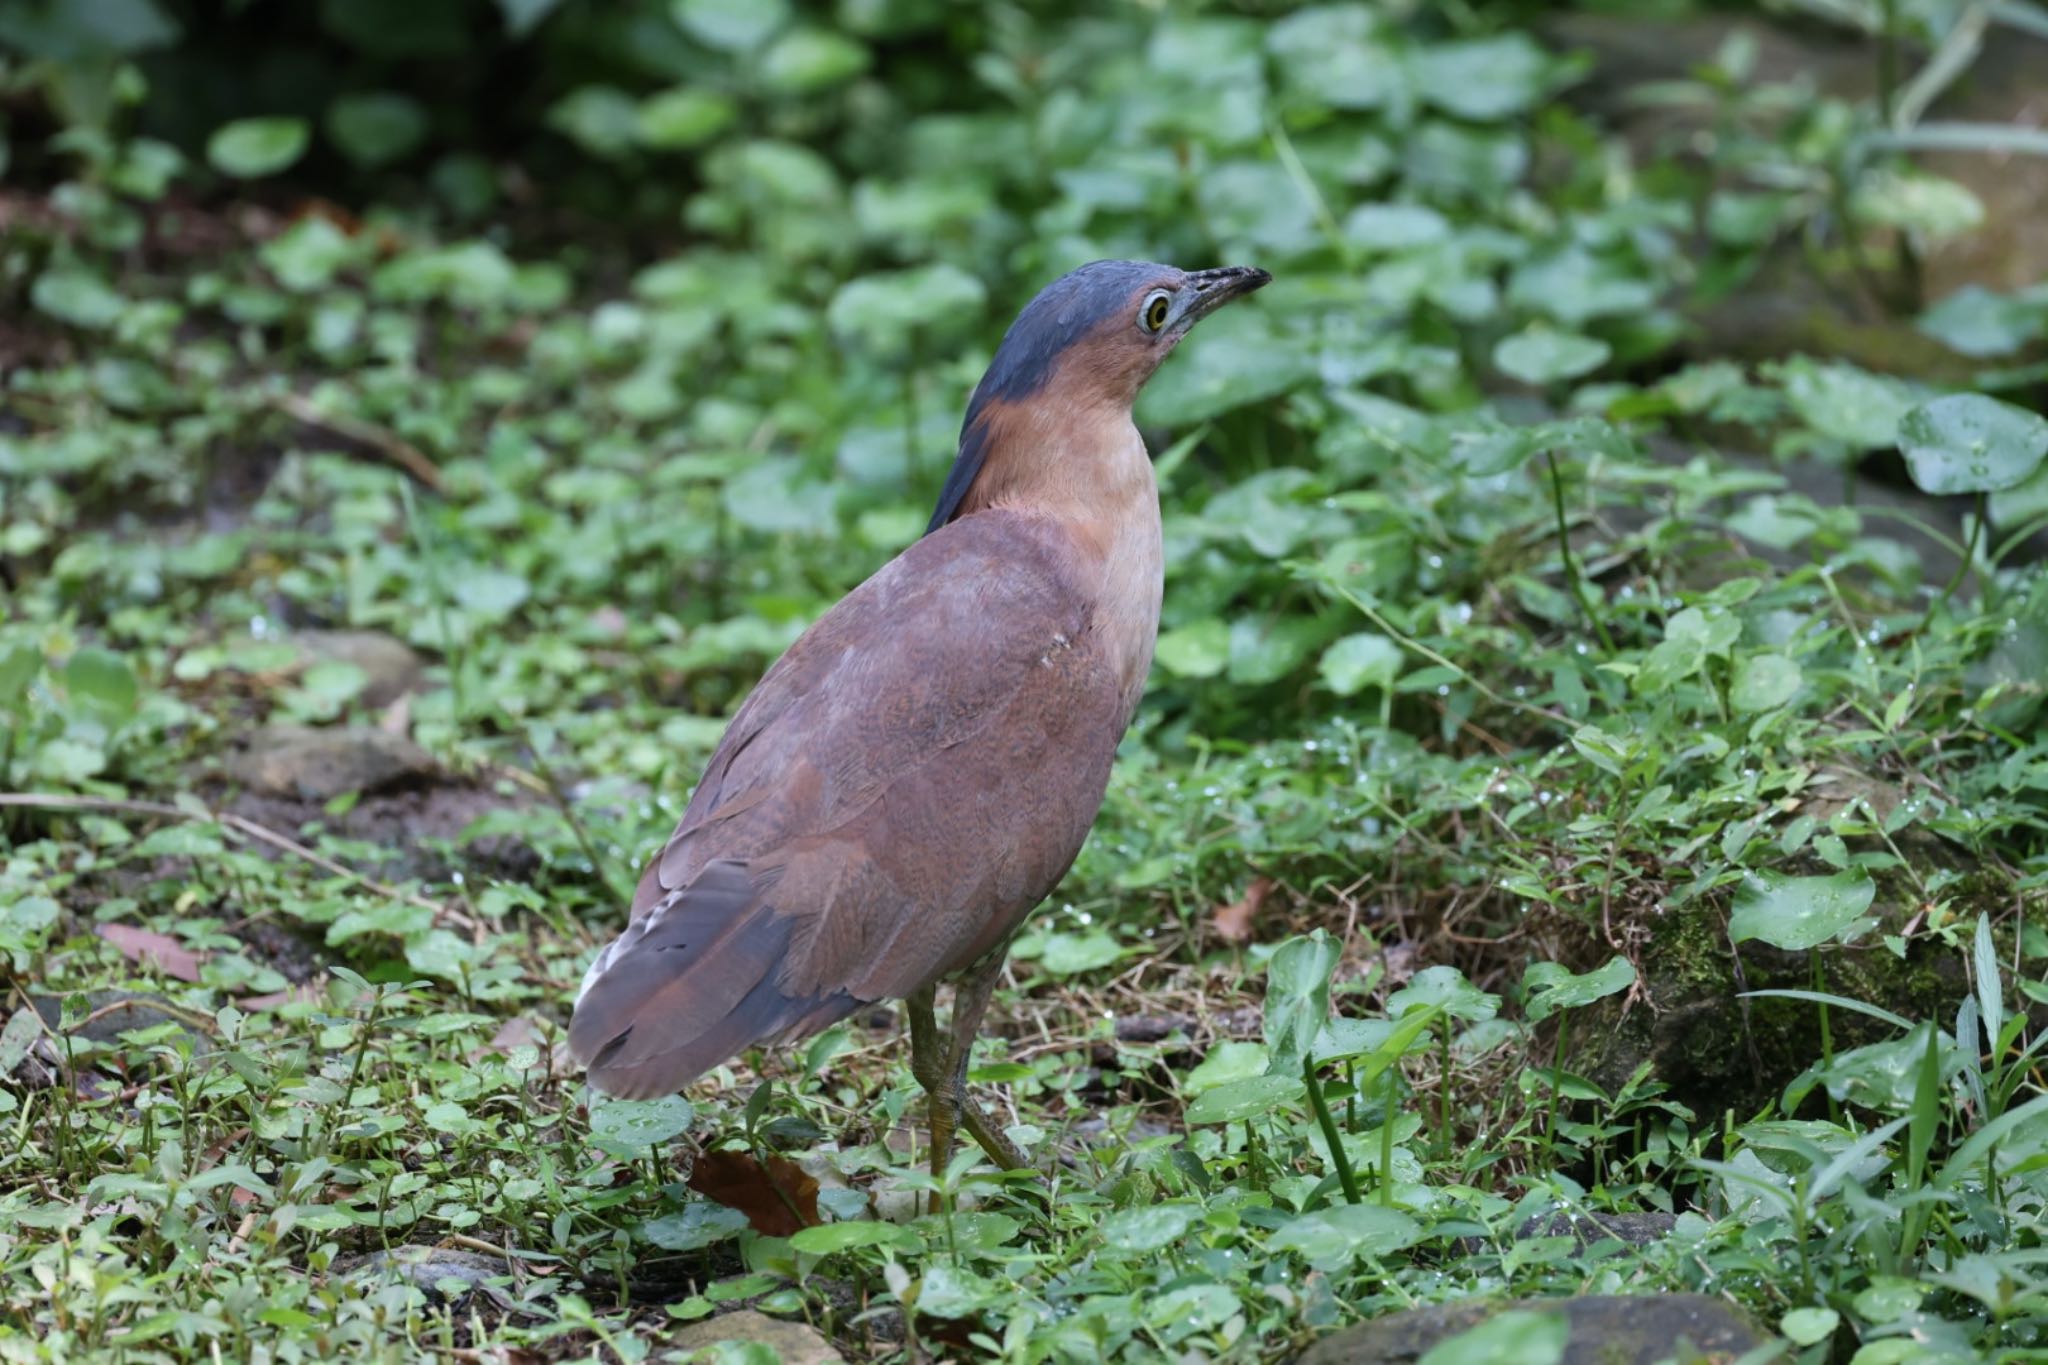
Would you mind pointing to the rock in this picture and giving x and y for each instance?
(319, 765)
(1605, 1330)
(390, 668)
(1784, 308)
(793, 1342)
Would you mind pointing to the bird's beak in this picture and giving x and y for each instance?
(1211, 289)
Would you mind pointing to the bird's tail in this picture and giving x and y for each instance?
(691, 984)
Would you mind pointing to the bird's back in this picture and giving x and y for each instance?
(904, 785)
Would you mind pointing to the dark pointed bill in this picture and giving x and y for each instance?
(1214, 288)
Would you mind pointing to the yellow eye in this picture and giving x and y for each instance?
(1155, 312)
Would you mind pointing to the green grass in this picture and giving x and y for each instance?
(1624, 826)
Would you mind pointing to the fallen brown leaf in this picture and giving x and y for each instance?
(516, 1032)
(1233, 922)
(151, 949)
(765, 1194)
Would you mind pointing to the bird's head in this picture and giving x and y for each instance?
(1088, 343)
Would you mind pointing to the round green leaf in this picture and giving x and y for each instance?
(694, 1227)
(1360, 661)
(1236, 1100)
(101, 678)
(1332, 1238)
(1974, 321)
(1797, 913)
(78, 297)
(1551, 987)
(731, 25)
(1446, 988)
(830, 1237)
(640, 1124)
(252, 147)
(891, 311)
(1543, 355)
(1967, 443)
(1148, 1229)
(684, 117)
(1764, 682)
(808, 59)
(376, 127)
(1198, 650)
(1809, 1326)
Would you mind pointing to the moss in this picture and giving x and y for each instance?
(1716, 1052)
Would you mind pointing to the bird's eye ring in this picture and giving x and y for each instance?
(1156, 308)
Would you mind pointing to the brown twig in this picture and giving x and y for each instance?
(238, 824)
(394, 449)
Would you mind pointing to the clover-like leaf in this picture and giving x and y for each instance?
(1551, 986)
(1968, 443)
(253, 147)
(1797, 913)
(1544, 355)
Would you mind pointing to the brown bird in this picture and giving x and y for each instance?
(920, 769)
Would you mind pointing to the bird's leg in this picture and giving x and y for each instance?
(970, 1002)
(934, 1070)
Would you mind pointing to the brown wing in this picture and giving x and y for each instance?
(905, 784)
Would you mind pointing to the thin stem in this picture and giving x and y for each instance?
(1328, 1123)
(1393, 1089)
(1571, 563)
(1556, 1084)
(1969, 560)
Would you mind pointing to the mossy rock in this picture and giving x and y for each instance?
(1716, 1052)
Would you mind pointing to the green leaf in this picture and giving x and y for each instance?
(2023, 502)
(1551, 987)
(1967, 443)
(731, 25)
(19, 665)
(1198, 650)
(892, 312)
(601, 119)
(77, 296)
(805, 60)
(828, 1238)
(374, 128)
(1149, 1229)
(102, 679)
(1517, 1337)
(1797, 913)
(1543, 355)
(684, 117)
(1230, 1060)
(1860, 409)
(1359, 661)
(1809, 1326)
(253, 147)
(524, 16)
(491, 593)
(636, 1125)
(1395, 227)
(1446, 989)
(1977, 322)
(1234, 1101)
(1331, 1239)
(695, 1227)
(307, 255)
(1485, 78)
(1297, 998)
(1764, 682)
(1072, 954)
